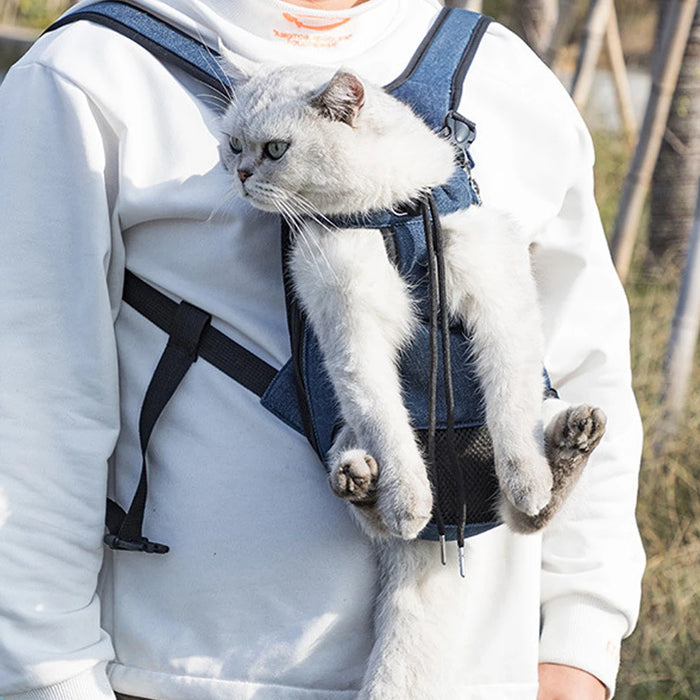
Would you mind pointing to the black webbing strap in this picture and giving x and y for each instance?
(215, 347)
(190, 336)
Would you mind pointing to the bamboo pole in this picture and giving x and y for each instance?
(10, 9)
(620, 78)
(675, 37)
(473, 5)
(591, 46)
(538, 19)
(684, 333)
(562, 30)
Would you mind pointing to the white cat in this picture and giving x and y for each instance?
(309, 145)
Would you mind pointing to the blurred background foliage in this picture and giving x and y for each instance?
(31, 13)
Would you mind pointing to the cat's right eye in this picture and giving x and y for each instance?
(235, 145)
(275, 149)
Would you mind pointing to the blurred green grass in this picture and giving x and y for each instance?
(661, 660)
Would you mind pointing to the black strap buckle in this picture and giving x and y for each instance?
(461, 132)
(142, 545)
(185, 331)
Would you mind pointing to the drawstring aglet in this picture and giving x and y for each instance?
(443, 552)
(460, 538)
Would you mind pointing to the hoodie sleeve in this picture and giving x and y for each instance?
(592, 559)
(59, 409)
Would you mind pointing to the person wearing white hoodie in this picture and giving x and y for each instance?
(109, 160)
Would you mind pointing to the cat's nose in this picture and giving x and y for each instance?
(244, 175)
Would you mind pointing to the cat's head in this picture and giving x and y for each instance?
(298, 139)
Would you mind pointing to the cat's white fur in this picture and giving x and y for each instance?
(351, 148)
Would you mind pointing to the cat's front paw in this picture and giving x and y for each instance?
(405, 502)
(569, 439)
(353, 477)
(524, 498)
(391, 499)
(526, 482)
(571, 436)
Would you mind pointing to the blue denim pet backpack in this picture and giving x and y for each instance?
(442, 394)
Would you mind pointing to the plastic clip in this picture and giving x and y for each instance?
(461, 132)
(142, 545)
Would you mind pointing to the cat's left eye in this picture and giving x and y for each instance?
(275, 149)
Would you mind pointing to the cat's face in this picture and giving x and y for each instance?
(297, 140)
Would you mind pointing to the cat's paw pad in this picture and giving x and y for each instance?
(574, 434)
(353, 476)
(527, 484)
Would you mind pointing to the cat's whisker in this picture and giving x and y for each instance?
(305, 248)
(306, 244)
(218, 98)
(215, 100)
(230, 197)
(307, 212)
(221, 97)
(297, 226)
(312, 212)
(317, 254)
(216, 60)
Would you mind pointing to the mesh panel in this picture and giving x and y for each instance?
(474, 454)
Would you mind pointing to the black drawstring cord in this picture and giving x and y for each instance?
(439, 315)
(447, 376)
(434, 301)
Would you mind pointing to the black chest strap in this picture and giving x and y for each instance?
(190, 336)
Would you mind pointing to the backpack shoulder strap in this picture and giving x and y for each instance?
(163, 40)
(431, 84)
(432, 81)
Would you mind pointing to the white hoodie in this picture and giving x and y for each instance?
(109, 158)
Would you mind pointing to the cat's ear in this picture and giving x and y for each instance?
(239, 69)
(342, 99)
